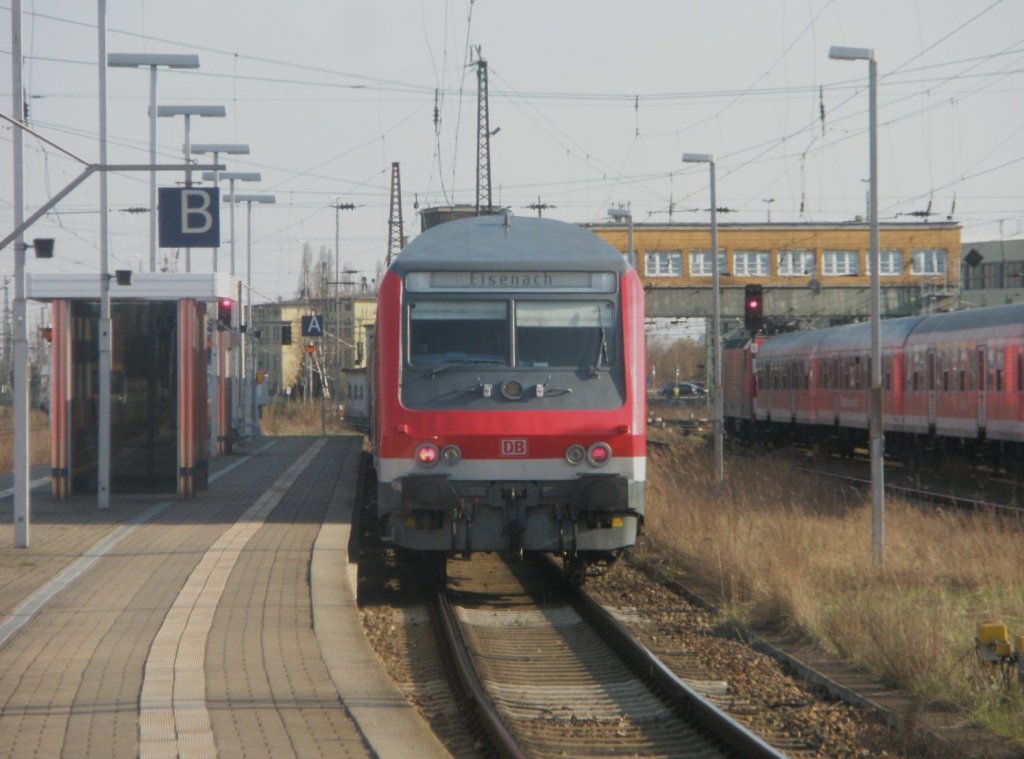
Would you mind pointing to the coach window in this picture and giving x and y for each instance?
(663, 264)
(464, 331)
(577, 334)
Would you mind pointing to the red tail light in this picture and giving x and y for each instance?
(599, 454)
(427, 454)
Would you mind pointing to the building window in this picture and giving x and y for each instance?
(663, 264)
(796, 263)
(929, 261)
(891, 260)
(752, 263)
(841, 262)
(700, 263)
(971, 277)
(1013, 274)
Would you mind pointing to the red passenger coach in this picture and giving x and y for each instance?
(508, 409)
(951, 381)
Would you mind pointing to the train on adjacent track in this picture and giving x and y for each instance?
(950, 382)
(507, 401)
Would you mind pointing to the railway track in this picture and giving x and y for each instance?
(551, 673)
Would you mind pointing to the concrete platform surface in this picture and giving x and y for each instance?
(224, 626)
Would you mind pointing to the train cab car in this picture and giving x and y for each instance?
(509, 392)
(739, 388)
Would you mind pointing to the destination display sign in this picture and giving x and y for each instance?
(504, 281)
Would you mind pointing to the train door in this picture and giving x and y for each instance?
(981, 368)
(930, 381)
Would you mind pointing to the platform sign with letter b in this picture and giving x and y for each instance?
(189, 217)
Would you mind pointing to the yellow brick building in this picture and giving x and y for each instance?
(809, 272)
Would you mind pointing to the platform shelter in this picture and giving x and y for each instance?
(165, 343)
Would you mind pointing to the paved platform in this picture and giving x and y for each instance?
(224, 625)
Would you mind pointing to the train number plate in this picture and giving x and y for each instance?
(513, 447)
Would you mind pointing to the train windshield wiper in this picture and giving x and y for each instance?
(434, 371)
(602, 347)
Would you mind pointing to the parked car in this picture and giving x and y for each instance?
(682, 390)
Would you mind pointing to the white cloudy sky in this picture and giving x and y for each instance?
(595, 100)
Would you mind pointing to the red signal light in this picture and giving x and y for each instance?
(753, 307)
(224, 307)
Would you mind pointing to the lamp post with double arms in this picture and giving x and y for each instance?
(188, 111)
(250, 380)
(216, 149)
(153, 61)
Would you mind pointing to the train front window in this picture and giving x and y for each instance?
(447, 332)
(577, 334)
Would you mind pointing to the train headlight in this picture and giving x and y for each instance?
(512, 390)
(451, 455)
(575, 454)
(599, 454)
(427, 454)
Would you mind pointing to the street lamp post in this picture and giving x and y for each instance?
(22, 503)
(188, 111)
(217, 149)
(876, 431)
(217, 361)
(338, 208)
(136, 60)
(232, 177)
(716, 323)
(249, 383)
(238, 358)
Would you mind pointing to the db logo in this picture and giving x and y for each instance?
(513, 447)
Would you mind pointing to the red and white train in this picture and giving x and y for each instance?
(508, 403)
(949, 381)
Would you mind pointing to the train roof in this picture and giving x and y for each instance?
(989, 318)
(509, 243)
(852, 337)
(898, 332)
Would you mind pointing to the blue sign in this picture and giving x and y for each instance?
(313, 326)
(189, 217)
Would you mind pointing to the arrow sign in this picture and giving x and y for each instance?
(313, 325)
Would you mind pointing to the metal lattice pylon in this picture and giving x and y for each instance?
(396, 235)
(483, 141)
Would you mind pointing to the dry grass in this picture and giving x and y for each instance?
(296, 418)
(784, 551)
(39, 438)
